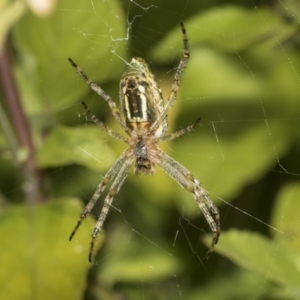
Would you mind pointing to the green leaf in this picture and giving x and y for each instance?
(225, 165)
(84, 145)
(244, 285)
(224, 28)
(47, 80)
(285, 216)
(269, 258)
(10, 12)
(135, 261)
(37, 260)
(212, 76)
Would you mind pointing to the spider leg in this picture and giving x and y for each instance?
(176, 81)
(99, 190)
(214, 223)
(96, 88)
(110, 132)
(180, 132)
(181, 175)
(116, 185)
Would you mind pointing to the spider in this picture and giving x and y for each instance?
(145, 122)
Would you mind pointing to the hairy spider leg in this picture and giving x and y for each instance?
(116, 185)
(176, 81)
(184, 178)
(96, 88)
(111, 173)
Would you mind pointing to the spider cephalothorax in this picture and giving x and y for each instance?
(145, 123)
(143, 163)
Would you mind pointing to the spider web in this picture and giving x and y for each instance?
(244, 82)
(131, 242)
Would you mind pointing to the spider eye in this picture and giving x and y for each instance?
(131, 84)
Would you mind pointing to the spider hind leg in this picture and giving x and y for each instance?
(184, 178)
(99, 190)
(115, 187)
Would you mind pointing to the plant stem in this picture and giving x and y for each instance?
(22, 130)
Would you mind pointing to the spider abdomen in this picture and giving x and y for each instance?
(136, 106)
(141, 98)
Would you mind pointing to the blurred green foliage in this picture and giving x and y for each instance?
(242, 79)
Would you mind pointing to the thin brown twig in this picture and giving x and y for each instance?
(21, 127)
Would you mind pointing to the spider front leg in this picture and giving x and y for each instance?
(96, 88)
(116, 185)
(184, 178)
(110, 132)
(177, 78)
(100, 188)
